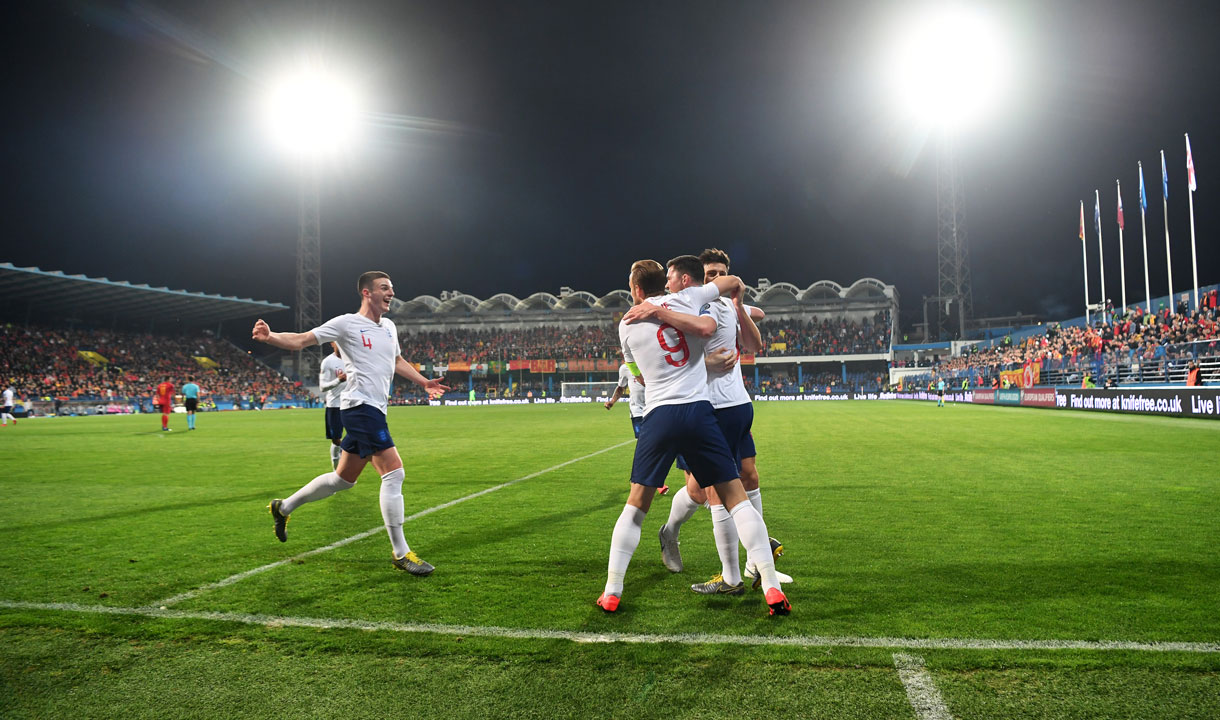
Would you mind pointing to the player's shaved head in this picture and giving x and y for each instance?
(714, 255)
(648, 276)
(688, 265)
(367, 279)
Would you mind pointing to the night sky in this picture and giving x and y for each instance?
(518, 147)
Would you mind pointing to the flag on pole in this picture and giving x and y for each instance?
(1097, 215)
(1190, 166)
(1143, 195)
(1164, 176)
(1120, 204)
(1082, 221)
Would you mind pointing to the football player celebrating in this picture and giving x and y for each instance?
(373, 356)
(678, 416)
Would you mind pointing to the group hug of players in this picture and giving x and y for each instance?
(680, 341)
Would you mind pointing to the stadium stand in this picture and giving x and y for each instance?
(84, 367)
(1136, 348)
(509, 347)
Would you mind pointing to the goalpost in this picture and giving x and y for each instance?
(591, 390)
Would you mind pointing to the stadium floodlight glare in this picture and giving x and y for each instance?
(313, 111)
(950, 65)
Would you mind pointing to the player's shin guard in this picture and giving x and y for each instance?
(753, 532)
(164, 420)
(623, 543)
(725, 532)
(392, 510)
(336, 452)
(323, 486)
(680, 510)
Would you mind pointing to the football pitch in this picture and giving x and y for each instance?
(958, 562)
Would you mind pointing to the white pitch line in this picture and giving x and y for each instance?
(921, 689)
(371, 531)
(817, 641)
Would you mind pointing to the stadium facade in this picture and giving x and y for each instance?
(790, 358)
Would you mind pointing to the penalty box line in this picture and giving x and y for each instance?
(802, 641)
(371, 531)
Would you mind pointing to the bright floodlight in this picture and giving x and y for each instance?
(312, 111)
(950, 65)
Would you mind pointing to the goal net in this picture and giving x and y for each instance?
(590, 390)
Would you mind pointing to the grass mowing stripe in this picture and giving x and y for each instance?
(819, 641)
(371, 531)
(921, 689)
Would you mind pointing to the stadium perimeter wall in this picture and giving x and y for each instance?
(1192, 402)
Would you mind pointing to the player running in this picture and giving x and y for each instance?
(678, 417)
(735, 332)
(164, 399)
(331, 380)
(373, 357)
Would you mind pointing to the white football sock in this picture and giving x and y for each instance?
(323, 486)
(681, 510)
(336, 452)
(755, 497)
(392, 510)
(753, 532)
(725, 532)
(623, 543)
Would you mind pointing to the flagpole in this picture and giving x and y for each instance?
(1168, 257)
(1144, 231)
(1190, 193)
(1084, 254)
(1122, 265)
(1101, 259)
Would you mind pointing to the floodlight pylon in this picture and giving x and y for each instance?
(309, 270)
(952, 251)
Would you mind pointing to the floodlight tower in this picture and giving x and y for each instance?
(309, 268)
(949, 65)
(312, 114)
(952, 251)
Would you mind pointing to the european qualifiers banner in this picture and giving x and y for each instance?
(1200, 402)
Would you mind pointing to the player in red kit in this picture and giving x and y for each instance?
(165, 400)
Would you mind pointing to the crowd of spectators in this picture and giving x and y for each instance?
(110, 365)
(828, 336)
(781, 338)
(1151, 342)
(537, 343)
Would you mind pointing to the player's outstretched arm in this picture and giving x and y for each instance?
(729, 286)
(700, 325)
(618, 393)
(434, 387)
(284, 341)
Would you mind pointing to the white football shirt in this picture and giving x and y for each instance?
(670, 361)
(370, 351)
(8, 397)
(332, 365)
(726, 389)
(627, 381)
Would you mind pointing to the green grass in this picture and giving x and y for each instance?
(900, 520)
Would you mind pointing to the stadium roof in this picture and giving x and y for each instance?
(767, 294)
(57, 293)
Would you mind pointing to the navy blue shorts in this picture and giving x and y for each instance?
(334, 423)
(735, 423)
(367, 431)
(636, 423)
(690, 429)
(747, 449)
